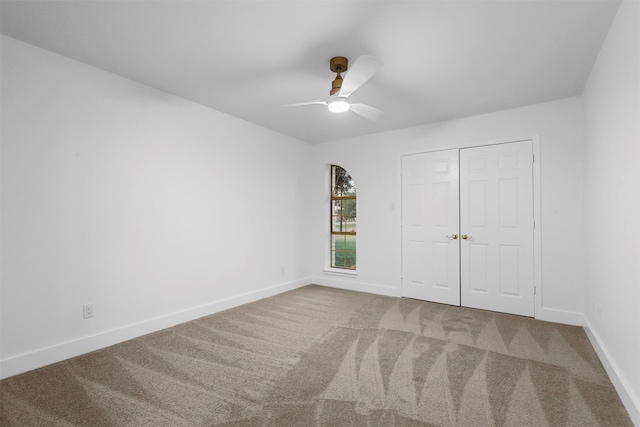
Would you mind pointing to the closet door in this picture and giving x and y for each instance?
(496, 228)
(430, 249)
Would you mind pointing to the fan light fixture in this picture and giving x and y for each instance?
(338, 105)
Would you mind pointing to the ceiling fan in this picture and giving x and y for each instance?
(360, 72)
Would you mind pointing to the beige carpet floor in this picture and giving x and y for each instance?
(319, 356)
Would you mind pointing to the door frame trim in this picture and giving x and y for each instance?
(537, 230)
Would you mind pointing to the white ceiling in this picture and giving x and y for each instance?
(442, 59)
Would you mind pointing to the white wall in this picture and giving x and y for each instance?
(374, 162)
(612, 205)
(155, 209)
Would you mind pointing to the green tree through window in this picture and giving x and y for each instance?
(343, 219)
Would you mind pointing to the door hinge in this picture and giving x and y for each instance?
(534, 224)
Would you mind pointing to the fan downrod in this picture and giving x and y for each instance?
(338, 64)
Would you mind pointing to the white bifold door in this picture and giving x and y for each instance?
(467, 227)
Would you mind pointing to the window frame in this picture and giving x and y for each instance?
(332, 234)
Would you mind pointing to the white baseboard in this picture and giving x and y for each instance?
(546, 314)
(560, 316)
(355, 285)
(46, 356)
(630, 401)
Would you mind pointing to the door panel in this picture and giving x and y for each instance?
(430, 216)
(478, 255)
(496, 205)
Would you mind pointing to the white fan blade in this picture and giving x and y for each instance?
(298, 104)
(357, 74)
(366, 111)
(323, 101)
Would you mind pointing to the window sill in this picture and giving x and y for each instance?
(340, 272)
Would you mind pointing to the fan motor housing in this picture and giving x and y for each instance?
(339, 64)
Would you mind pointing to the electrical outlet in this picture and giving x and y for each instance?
(87, 311)
(282, 269)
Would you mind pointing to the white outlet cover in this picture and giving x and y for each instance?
(87, 311)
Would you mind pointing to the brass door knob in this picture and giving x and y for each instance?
(453, 237)
(465, 237)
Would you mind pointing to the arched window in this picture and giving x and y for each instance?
(343, 219)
